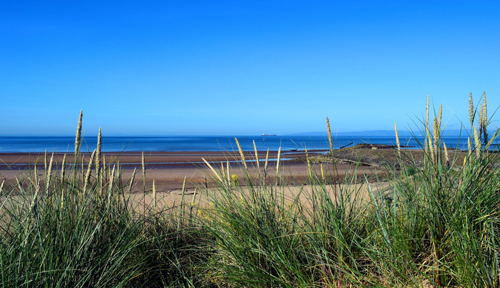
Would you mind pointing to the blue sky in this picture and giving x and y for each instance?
(242, 67)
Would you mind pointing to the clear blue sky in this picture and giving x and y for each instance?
(242, 67)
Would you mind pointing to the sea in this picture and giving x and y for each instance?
(63, 144)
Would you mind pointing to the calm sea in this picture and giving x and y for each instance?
(199, 143)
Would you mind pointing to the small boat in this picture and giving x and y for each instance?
(268, 135)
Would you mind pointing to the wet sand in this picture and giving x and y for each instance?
(169, 169)
(10, 161)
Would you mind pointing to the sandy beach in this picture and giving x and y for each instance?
(169, 169)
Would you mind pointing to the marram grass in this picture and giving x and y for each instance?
(434, 227)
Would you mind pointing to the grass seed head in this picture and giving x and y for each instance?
(329, 134)
(89, 172)
(435, 132)
(430, 145)
(98, 154)
(267, 161)
(143, 165)
(446, 158)
(47, 178)
(154, 194)
(111, 181)
(241, 153)
(222, 170)
(131, 183)
(485, 108)
(78, 134)
(63, 166)
(485, 119)
(213, 170)
(427, 114)
(481, 120)
(477, 141)
(471, 110)
(256, 154)
(440, 115)
(278, 161)
(397, 139)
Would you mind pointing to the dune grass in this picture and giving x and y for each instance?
(432, 224)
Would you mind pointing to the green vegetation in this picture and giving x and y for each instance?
(435, 223)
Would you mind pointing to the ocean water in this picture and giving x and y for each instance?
(202, 143)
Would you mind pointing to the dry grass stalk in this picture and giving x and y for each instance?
(184, 186)
(63, 168)
(78, 135)
(485, 119)
(222, 173)
(48, 175)
(322, 172)
(477, 141)
(182, 200)
(278, 161)
(329, 134)
(471, 110)
(37, 181)
(481, 120)
(111, 181)
(429, 144)
(98, 154)
(45, 161)
(20, 187)
(35, 197)
(427, 114)
(435, 135)
(143, 163)
(426, 127)
(241, 153)
(446, 158)
(213, 170)
(131, 183)
(256, 154)
(309, 170)
(1, 187)
(89, 172)
(440, 115)
(267, 162)
(485, 110)
(194, 197)
(397, 140)
(228, 175)
(118, 170)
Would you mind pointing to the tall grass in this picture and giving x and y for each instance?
(80, 229)
(435, 225)
(435, 222)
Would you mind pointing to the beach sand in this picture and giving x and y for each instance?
(169, 169)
